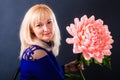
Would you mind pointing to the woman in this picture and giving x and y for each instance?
(40, 41)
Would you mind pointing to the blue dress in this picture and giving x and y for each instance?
(46, 68)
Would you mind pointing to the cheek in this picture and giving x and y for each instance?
(38, 32)
(52, 29)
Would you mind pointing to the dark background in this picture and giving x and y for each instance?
(13, 11)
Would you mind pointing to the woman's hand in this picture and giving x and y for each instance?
(73, 66)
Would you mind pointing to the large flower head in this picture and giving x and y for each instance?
(90, 37)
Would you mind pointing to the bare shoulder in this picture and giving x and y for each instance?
(39, 54)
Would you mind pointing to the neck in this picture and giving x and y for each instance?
(49, 43)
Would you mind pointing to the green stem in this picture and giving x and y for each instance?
(82, 75)
(80, 61)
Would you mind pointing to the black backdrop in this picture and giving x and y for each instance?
(12, 13)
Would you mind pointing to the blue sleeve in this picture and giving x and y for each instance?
(41, 69)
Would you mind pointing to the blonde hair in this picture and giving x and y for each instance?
(38, 12)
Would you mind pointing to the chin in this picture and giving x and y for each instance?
(47, 40)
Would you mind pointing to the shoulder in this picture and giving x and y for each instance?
(39, 54)
(34, 52)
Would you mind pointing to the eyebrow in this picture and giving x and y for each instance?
(41, 22)
(50, 20)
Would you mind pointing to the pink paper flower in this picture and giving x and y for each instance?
(90, 37)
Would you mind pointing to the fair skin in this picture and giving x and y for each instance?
(43, 30)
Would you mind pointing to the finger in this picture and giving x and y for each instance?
(80, 67)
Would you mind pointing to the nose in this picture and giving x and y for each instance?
(45, 28)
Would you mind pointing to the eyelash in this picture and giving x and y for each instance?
(49, 22)
(39, 25)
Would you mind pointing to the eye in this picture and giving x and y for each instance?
(49, 22)
(39, 25)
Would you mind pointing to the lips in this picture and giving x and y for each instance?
(47, 34)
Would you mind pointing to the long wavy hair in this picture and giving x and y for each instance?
(36, 13)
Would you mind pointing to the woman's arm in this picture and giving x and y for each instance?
(42, 69)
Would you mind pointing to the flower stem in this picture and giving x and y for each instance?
(80, 61)
(82, 75)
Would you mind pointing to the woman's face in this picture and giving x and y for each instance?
(43, 29)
